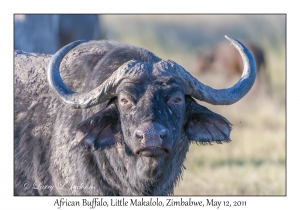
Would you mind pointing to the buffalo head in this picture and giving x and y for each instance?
(151, 116)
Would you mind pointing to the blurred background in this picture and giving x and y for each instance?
(254, 162)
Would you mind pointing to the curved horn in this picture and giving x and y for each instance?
(53, 74)
(224, 96)
(98, 95)
(134, 68)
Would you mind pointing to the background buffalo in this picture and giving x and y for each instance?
(48, 33)
(224, 57)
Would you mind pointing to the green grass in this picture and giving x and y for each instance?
(254, 162)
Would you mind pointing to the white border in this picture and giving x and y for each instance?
(8, 201)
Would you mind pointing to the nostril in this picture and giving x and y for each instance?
(163, 133)
(151, 133)
(139, 135)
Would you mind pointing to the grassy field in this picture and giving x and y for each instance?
(254, 162)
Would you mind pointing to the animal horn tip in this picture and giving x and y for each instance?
(229, 38)
(234, 42)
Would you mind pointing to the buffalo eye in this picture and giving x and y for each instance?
(176, 100)
(124, 101)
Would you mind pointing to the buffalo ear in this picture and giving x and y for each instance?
(99, 131)
(205, 126)
(108, 136)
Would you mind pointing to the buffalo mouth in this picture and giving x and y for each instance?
(152, 151)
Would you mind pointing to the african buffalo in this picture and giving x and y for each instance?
(225, 58)
(124, 131)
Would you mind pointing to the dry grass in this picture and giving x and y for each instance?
(251, 179)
